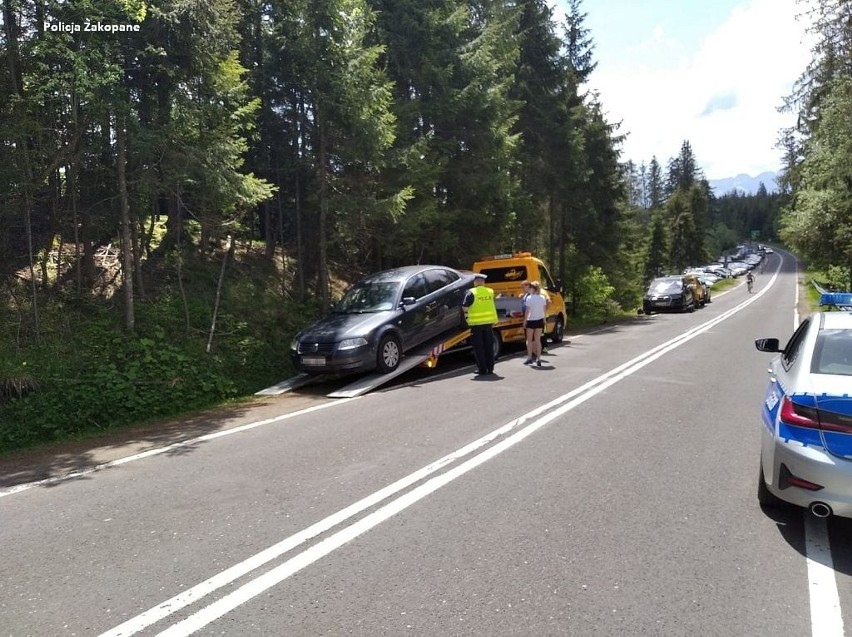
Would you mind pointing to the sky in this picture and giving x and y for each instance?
(710, 72)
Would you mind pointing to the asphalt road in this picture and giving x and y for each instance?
(610, 492)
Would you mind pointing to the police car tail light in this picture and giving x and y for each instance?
(798, 415)
(835, 422)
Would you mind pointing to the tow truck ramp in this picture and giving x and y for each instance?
(300, 380)
(372, 381)
(426, 356)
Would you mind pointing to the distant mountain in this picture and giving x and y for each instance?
(744, 184)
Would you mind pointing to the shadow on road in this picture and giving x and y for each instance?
(59, 459)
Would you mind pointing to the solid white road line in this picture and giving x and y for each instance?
(160, 450)
(255, 587)
(826, 615)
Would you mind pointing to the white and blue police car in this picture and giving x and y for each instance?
(806, 444)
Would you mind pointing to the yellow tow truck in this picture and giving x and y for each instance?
(505, 273)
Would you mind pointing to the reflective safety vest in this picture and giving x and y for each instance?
(482, 311)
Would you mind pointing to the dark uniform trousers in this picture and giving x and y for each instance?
(481, 338)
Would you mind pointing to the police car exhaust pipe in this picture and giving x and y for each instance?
(820, 509)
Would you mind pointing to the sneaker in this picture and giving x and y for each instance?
(529, 361)
(538, 362)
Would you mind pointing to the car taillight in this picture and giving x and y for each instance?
(798, 415)
(835, 422)
(802, 416)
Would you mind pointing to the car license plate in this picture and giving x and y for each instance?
(313, 360)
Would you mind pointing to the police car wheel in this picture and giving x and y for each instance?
(389, 354)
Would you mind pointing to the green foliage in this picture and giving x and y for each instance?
(721, 238)
(818, 223)
(594, 295)
(656, 258)
(89, 375)
(837, 278)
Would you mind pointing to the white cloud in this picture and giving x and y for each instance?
(723, 99)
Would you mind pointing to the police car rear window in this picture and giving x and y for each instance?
(511, 274)
(833, 353)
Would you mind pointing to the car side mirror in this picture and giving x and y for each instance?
(767, 345)
(408, 300)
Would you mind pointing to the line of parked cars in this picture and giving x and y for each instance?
(693, 288)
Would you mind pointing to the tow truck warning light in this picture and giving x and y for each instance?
(508, 255)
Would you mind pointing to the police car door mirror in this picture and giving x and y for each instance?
(767, 345)
(408, 300)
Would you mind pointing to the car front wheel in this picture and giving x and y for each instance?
(389, 354)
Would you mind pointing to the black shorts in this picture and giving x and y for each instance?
(535, 325)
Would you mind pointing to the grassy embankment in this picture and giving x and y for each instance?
(83, 374)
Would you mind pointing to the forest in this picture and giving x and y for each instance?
(184, 187)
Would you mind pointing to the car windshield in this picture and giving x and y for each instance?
(833, 353)
(511, 274)
(370, 296)
(665, 286)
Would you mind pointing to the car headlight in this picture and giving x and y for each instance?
(352, 343)
(294, 344)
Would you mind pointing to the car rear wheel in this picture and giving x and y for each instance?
(764, 496)
(558, 332)
(389, 354)
(496, 344)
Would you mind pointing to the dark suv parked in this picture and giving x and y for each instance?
(668, 293)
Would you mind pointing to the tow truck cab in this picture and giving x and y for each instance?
(506, 273)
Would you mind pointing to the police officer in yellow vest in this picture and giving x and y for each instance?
(481, 315)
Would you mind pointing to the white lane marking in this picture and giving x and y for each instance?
(796, 318)
(826, 616)
(160, 450)
(312, 554)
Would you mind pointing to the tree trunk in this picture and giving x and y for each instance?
(269, 231)
(16, 80)
(137, 257)
(300, 248)
(229, 247)
(126, 238)
(323, 214)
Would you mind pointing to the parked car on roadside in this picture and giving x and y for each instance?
(806, 441)
(698, 289)
(381, 317)
(668, 293)
(738, 268)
